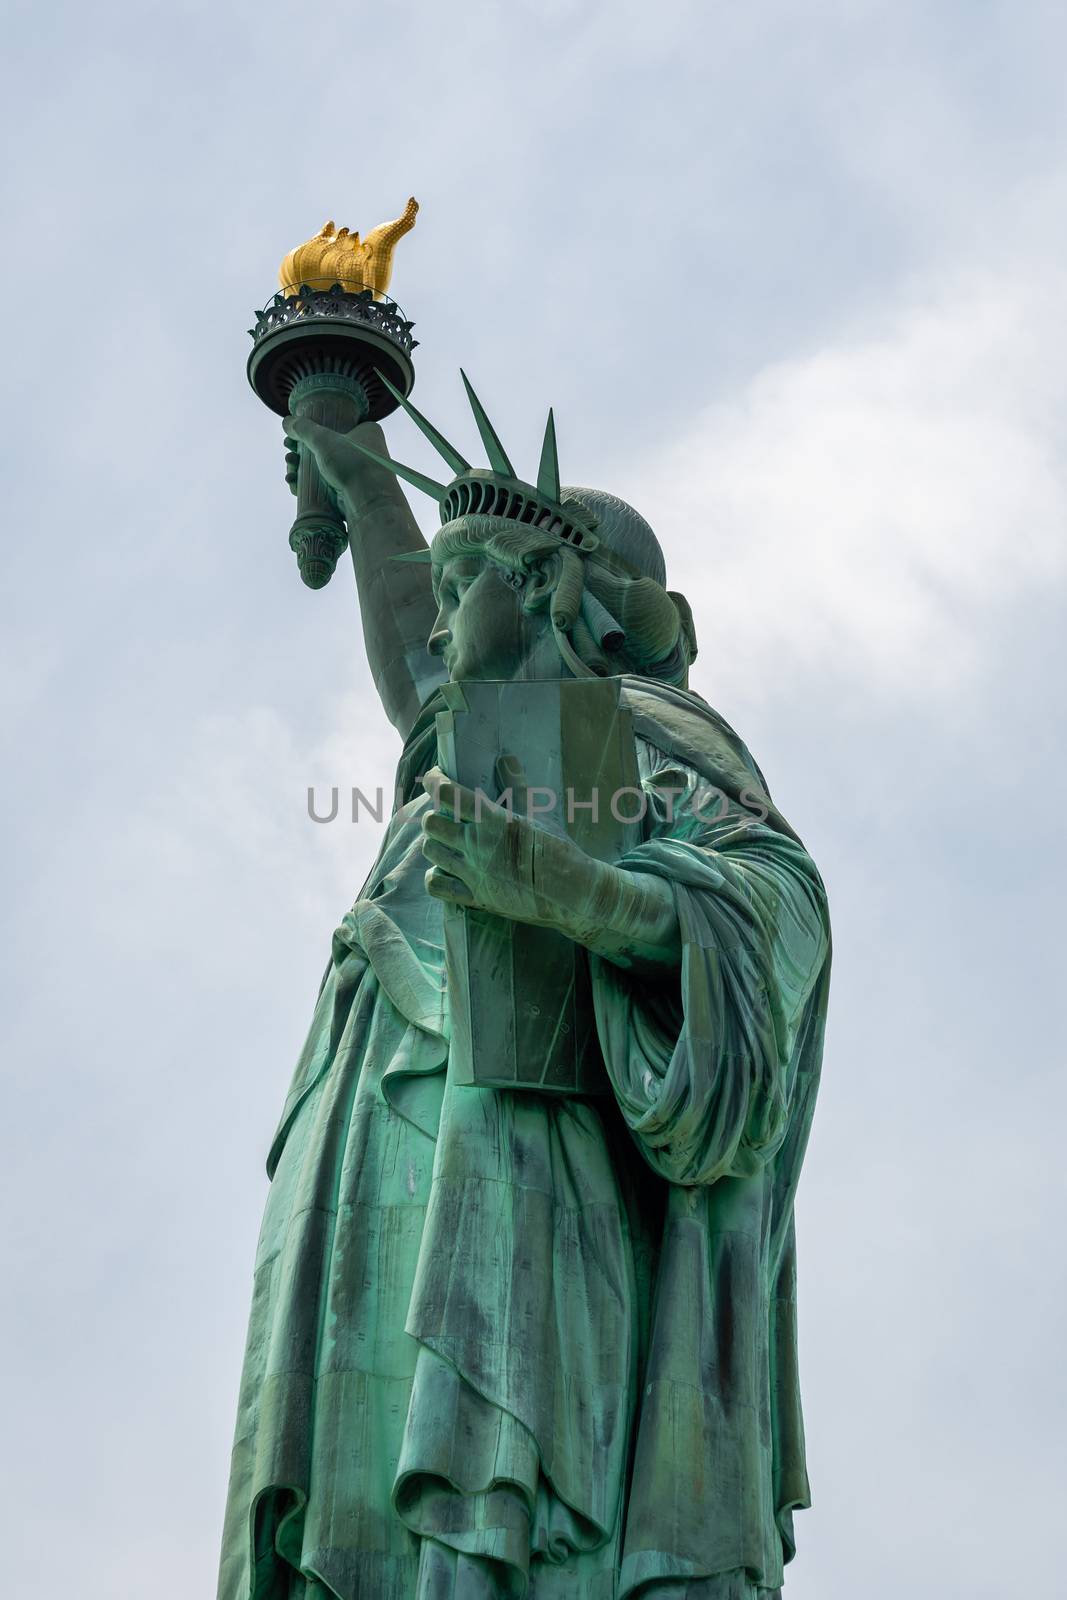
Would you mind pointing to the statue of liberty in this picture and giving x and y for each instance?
(506, 1343)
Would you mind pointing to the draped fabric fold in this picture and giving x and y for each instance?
(523, 1303)
(717, 1083)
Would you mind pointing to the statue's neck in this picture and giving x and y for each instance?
(542, 662)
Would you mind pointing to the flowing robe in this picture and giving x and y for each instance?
(505, 1344)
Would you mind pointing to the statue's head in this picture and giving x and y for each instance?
(539, 580)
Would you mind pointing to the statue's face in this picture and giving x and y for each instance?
(482, 630)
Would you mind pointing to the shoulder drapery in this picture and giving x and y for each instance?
(715, 1075)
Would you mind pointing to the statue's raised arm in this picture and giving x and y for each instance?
(396, 599)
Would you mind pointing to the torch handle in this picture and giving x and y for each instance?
(318, 536)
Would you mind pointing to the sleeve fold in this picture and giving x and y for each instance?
(703, 1066)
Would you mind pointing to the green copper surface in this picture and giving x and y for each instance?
(495, 451)
(523, 1322)
(548, 468)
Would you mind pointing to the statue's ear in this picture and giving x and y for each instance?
(542, 577)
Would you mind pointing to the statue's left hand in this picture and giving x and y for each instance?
(495, 859)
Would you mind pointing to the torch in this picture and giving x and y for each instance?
(321, 349)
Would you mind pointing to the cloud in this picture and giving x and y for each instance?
(237, 806)
(865, 513)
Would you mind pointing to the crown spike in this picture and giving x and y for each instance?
(446, 451)
(418, 480)
(548, 470)
(493, 448)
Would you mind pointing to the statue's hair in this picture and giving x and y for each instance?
(606, 617)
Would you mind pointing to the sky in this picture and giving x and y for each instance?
(792, 276)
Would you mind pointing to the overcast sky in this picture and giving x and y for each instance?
(793, 276)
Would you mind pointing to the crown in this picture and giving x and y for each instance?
(496, 491)
(337, 256)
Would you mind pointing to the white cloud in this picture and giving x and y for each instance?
(862, 514)
(237, 807)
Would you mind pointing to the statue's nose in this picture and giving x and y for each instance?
(438, 639)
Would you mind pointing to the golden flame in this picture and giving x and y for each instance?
(335, 255)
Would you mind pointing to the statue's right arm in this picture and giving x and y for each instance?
(396, 600)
